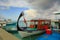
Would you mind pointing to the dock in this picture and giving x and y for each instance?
(4, 35)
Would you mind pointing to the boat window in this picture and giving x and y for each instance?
(36, 22)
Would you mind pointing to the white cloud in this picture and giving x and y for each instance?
(45, 8)
(14, 3)
(30, 14)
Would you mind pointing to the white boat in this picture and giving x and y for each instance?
(2, 23)
(26, 34)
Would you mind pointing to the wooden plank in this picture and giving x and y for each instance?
(4, 35)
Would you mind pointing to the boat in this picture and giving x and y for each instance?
(34, 24)
(26, 34)
(2, 22)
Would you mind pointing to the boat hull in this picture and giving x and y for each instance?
(25, 34)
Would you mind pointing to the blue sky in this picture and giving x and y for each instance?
(45, 8)
(12, 12)
(10, 9)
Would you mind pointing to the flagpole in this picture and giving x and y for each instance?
(26, 23)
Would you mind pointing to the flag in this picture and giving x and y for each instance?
(24, 20)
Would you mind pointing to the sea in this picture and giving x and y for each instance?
(14, 25)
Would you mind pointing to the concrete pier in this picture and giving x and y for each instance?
(4, 35)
